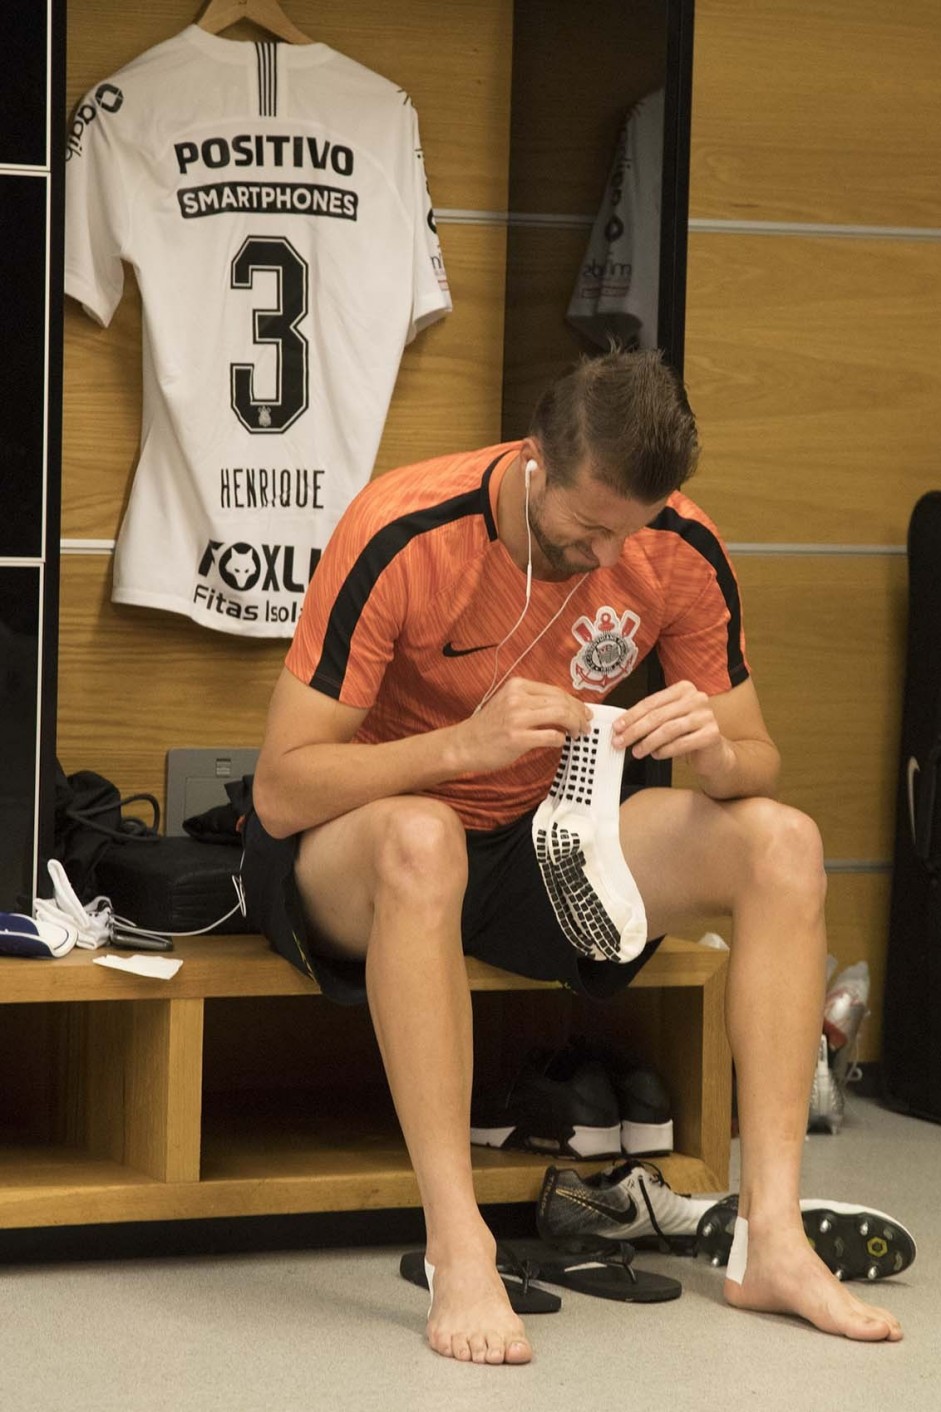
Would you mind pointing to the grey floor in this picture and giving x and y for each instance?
(300, 1331)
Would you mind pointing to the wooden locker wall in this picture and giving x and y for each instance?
(813, 360)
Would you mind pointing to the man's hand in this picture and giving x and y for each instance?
(674, 723)
(723, 737)
(523, 715)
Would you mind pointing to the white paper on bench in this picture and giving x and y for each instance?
(158, 968)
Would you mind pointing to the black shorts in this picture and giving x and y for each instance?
(507, 918)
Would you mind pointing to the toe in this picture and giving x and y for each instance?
(460, 1348)
(873, 1323)
(478, 1348)
(496, 1348)
(890, 1328)
(439, 1343)
(866, 1324)
(870, 1331)
(518, 1351)
(895, 1328)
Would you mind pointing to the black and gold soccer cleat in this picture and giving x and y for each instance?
(630, 1201)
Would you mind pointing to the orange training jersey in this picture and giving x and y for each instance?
(414, 591)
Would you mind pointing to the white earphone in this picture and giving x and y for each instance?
(527, 476)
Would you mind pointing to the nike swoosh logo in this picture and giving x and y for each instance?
(450, 651)
(625, 1216)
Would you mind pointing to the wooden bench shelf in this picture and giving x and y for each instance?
(127, 1099)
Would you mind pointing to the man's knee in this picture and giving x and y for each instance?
(783, 847)
(421, 849)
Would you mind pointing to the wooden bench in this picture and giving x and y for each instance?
(236, 1089)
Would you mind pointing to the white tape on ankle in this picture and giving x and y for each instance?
(738, 1255)
(577, 840)
(430, 1277)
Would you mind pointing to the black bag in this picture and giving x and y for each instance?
(184, 885)
(161, 884)
(180, 886)
(90, 820)
(911, 1064)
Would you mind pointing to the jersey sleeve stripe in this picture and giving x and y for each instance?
(489, 521)
(375, 557)
(699, 537)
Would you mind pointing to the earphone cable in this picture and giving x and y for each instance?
(495, 685)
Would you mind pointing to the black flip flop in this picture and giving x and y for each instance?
(525, 1297)
(603, 1269)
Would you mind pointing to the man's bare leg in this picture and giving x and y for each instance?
(761, 862)
(387, 881)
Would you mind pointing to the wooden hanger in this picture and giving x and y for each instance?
(267, 14)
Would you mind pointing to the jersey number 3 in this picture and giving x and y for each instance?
(278, 327)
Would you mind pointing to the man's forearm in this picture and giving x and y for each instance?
(748, 767)
(313, 783)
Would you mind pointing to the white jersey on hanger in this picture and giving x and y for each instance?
(272, 201)
(617, 290)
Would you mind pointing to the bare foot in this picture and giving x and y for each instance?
(783, 1275)
(470, 1317)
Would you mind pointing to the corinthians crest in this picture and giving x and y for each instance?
(608, 651)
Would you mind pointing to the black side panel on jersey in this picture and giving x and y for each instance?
(699, 537)
(374, 559)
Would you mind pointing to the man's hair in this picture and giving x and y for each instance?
(623, 415)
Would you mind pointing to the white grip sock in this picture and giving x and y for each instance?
(575, 833)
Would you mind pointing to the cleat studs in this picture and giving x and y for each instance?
(840, 1273)
(716, 1261)
(873, 1272)
(824, 1225)
(708, 1228)
(864, 1228)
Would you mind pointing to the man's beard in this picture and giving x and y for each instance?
(556, 555)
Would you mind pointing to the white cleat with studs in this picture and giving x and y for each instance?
(854, 1242)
